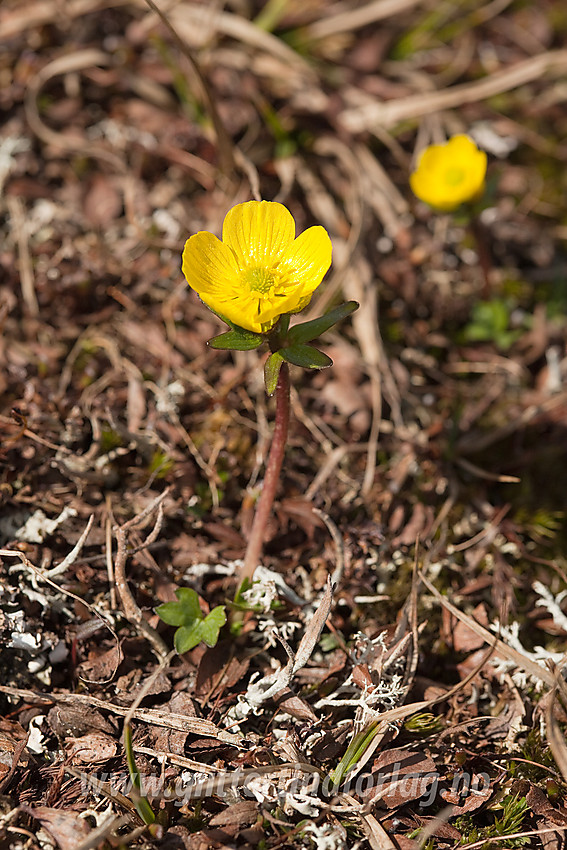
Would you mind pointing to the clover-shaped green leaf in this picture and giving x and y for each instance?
(192, 626)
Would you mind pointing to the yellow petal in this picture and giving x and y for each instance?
(241, 311)
(430, 158)
(461, 146)
(292, 303)
(307, 259)
(258, 232)
(210, 267)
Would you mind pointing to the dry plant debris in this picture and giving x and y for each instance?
(395, 676)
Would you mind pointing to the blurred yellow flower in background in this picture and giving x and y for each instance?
(260, 270)
(449, 175)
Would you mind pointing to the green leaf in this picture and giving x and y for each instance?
(272, 368)
(140, 802)
(306, 356)
(307, 331)
(182, 613)
(186, 638)
(207, 630)
(237, 340)
(212, 624)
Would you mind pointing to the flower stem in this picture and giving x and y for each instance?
(271, 478)
(480, 237)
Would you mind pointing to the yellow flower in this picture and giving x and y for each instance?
(449, 175)
(260, 270)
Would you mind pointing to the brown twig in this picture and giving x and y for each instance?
(132, 611)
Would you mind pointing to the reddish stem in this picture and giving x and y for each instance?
(271, 478)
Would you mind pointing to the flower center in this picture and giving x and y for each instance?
(260, 280)
(454, 176)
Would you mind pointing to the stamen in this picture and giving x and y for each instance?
(259, 280)
(454, 176)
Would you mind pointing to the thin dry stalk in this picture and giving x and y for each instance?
(358, 285)
(354, 19)
(20, 231)
(132, 610)
(169, 720)
(339, 546)
(520, 660)
(371, 114)
(224, 141)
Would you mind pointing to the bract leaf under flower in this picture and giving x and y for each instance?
(306, 356)
(306, 331)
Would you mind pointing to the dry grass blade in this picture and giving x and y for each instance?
(356, 18)
(80, 60)
(224, 142)
(382, 195)
(20, 230)
(358, 285)
(339, 546)
(442, 817)
(371, 114)
(132, 610)
(314, 628)
(70, 559)
(475, 442)
(554, 734)
(501, 838)
(194, 19)
(14, 21)
(483, 473)
(109, 826)
(331, 463)
(377, 836)
(193, 725)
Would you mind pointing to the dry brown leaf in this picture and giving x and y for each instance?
(239, 814)
(93, 748)
(314, 628)
(399, 776)
(67, 828)
(103, 201)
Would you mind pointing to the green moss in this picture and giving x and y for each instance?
(109, 439)
(514, 811)
(160, 464)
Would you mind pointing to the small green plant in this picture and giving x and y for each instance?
(423, 724)
(354, 753)
(491, 323)
(536, 760)
(192, 626)
(514, 810)
(141, 802)
(160, 464)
